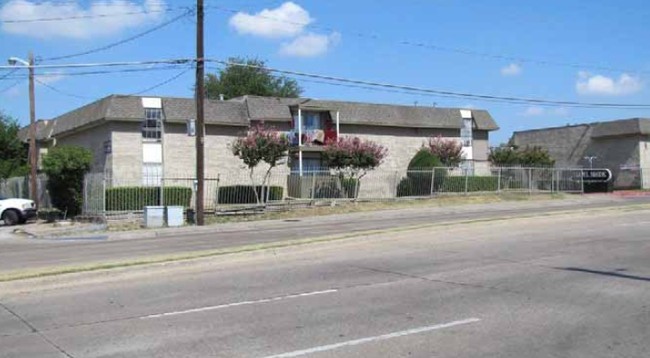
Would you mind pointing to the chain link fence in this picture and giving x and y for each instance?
(119, 197)
(18, 187)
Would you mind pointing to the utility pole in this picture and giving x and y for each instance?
(33, 155)
(200, 123)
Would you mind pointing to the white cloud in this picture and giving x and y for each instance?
(89, 22)
(287, 20)
(533, 111)
(512, 69)
(310, 45)
(589, 84)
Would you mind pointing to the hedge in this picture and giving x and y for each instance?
(418, 182)
(137, 197)
(474, 183)
(244, 194)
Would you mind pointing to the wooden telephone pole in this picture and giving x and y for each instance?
(200, 126)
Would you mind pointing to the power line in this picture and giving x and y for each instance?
(177, 61)
(60, 91)
(163, 82)
(10, 86)
(84, 17)
(517, 100)
(461, 51)
(85, 73)
(8, 73)
(123, 41)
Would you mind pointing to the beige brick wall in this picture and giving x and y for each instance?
(92, 139)
(403, 143)
(127, 150)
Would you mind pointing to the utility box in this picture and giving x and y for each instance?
(174, 216)
(154, 216)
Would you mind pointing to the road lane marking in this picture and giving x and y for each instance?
(241, 303)
(355, 342)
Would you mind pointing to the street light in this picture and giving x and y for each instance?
(33, 156)
(590, 159)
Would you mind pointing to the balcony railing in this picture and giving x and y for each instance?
(312, 137)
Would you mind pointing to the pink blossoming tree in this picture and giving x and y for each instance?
(352, 158)
(449, 151)
(260, 145)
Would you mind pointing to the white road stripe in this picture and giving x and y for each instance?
(242, 303)
(355, 342)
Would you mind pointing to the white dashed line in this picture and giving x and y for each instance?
(242, 303)
(355, 342)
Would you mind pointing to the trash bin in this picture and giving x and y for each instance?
(174, 216)
(154, 216)
(190, 217)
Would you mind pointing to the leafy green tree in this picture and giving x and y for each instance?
(13, 152)
(260, 145)
(512, 155)
(249, 78)
(66, 167)
(504, 156)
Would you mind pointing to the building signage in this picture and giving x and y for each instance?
(596, 175)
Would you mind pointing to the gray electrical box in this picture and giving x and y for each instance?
(174, 216)
(154, 216)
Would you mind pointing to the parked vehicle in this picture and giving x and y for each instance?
(16, 211)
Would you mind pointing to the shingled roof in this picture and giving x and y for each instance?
(240, 111)
(129, 108)
(278, 109)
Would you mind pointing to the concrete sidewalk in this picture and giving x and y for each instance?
(99, 231)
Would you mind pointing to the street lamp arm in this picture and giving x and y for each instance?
(14, 60)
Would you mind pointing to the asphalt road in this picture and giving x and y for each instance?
(575, 285)
(21, 254)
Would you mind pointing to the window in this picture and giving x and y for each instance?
(151, 174)
(152, 125)
(466, 132)
(308, 165)
(310, 121)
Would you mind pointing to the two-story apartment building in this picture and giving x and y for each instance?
(146, 138)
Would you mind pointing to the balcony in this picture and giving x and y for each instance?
(312, 138)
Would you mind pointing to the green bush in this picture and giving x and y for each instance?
(66, 167)
(474, 184)
(137, 197)
(350, 187)
(244, 194)
(419, 175)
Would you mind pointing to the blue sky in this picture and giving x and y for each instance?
(581, 51)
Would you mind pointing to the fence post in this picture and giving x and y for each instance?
(466, 180)
(433, 178)
(499, 181)
(313, 185)
(103, 196)
(162, 191)
(216, 204)
(530, 181)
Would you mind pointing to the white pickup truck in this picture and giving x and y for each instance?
(16, 211)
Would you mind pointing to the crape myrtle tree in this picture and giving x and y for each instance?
(260, 145)
(249, 77)
(352, 158)
(449, 151)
